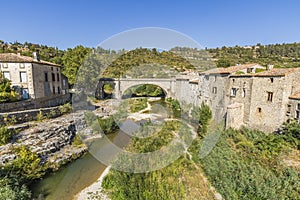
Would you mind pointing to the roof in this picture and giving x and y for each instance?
(230, 70)
(195, 81)
(295, 96)
(15, 58)
(278, 72)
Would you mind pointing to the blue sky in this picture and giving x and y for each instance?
(212, 23)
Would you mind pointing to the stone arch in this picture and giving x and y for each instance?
(100, 94)
(133, 85)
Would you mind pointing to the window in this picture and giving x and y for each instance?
(24, 93)
(272, 80)
(53, 77)
(46, 77)
(51, 68)
(298, 106)
(297, 115)
(57, 69)
(233, 80)
(233, 92)
(243, 92)
(53, 89)
(57, 77)
(6, 75)
(214, 90)
(23, 77)
(270, 96)
(289, 106)
(259, 110)
(58, 90)
(64, 82)
(22, 65)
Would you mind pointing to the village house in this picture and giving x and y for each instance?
(31, 77)
(252, 95)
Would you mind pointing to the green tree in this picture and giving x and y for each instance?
(204, 115)
(6, 93)
(72, 60)
(5, 135)
(12, 189)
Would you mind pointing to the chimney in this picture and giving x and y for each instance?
(270, 67)
(36, 56)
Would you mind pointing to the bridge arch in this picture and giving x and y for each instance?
(122, 84)
(126, 92)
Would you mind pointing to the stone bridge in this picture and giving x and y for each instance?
(120, 85)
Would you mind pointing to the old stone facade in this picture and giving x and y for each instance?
(32, 77)
(251, 95)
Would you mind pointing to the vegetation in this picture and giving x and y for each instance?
(5, 135)
(12, 189)
(137, 104)
(202, 115)
(134, 58)
(145, 90)
(171, 182)
(280, 55)
(246, 164)
(97, 124)
(7, 94)
(174, 104)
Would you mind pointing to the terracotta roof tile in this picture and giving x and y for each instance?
(278, 72)
(15, 58)
(229, 70)
(295, 96)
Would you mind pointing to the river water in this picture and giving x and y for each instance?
(74, 177)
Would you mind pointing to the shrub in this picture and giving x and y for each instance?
(5, 135)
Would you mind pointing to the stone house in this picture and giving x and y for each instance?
(214, 86)
(265, 98)
(293, 107)
(32, 77)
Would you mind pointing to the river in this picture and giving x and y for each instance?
(69, 180)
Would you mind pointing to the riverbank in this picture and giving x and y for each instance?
(94, 189)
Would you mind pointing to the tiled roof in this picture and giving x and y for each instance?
(295, 96)
(15, 58)
(277, 72)
(229, 70)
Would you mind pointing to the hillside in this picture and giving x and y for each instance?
(280, 55)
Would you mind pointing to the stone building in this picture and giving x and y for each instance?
(293, 107)
(32, 77)
(265, 97)
(214, 86)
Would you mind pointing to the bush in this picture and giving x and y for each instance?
(12, 189)
(66, 108)
(5, 135)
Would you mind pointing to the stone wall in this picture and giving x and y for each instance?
(234, 118)
(35, 103)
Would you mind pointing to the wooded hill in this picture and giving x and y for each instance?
(150, 61)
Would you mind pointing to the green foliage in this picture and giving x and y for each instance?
(107, 124)
(283, 55)
(72, 61)
(27, 165)
(137, 104)
(12, 189)
(6, 93)
(77, 142)
(5, 135)
(291, 132)
(134, 58)
(244, 165)
(66, 108)
(202, 115)
(145, 90)
(40, 116)
(174, 104)
(108, 89)
(160, 184)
